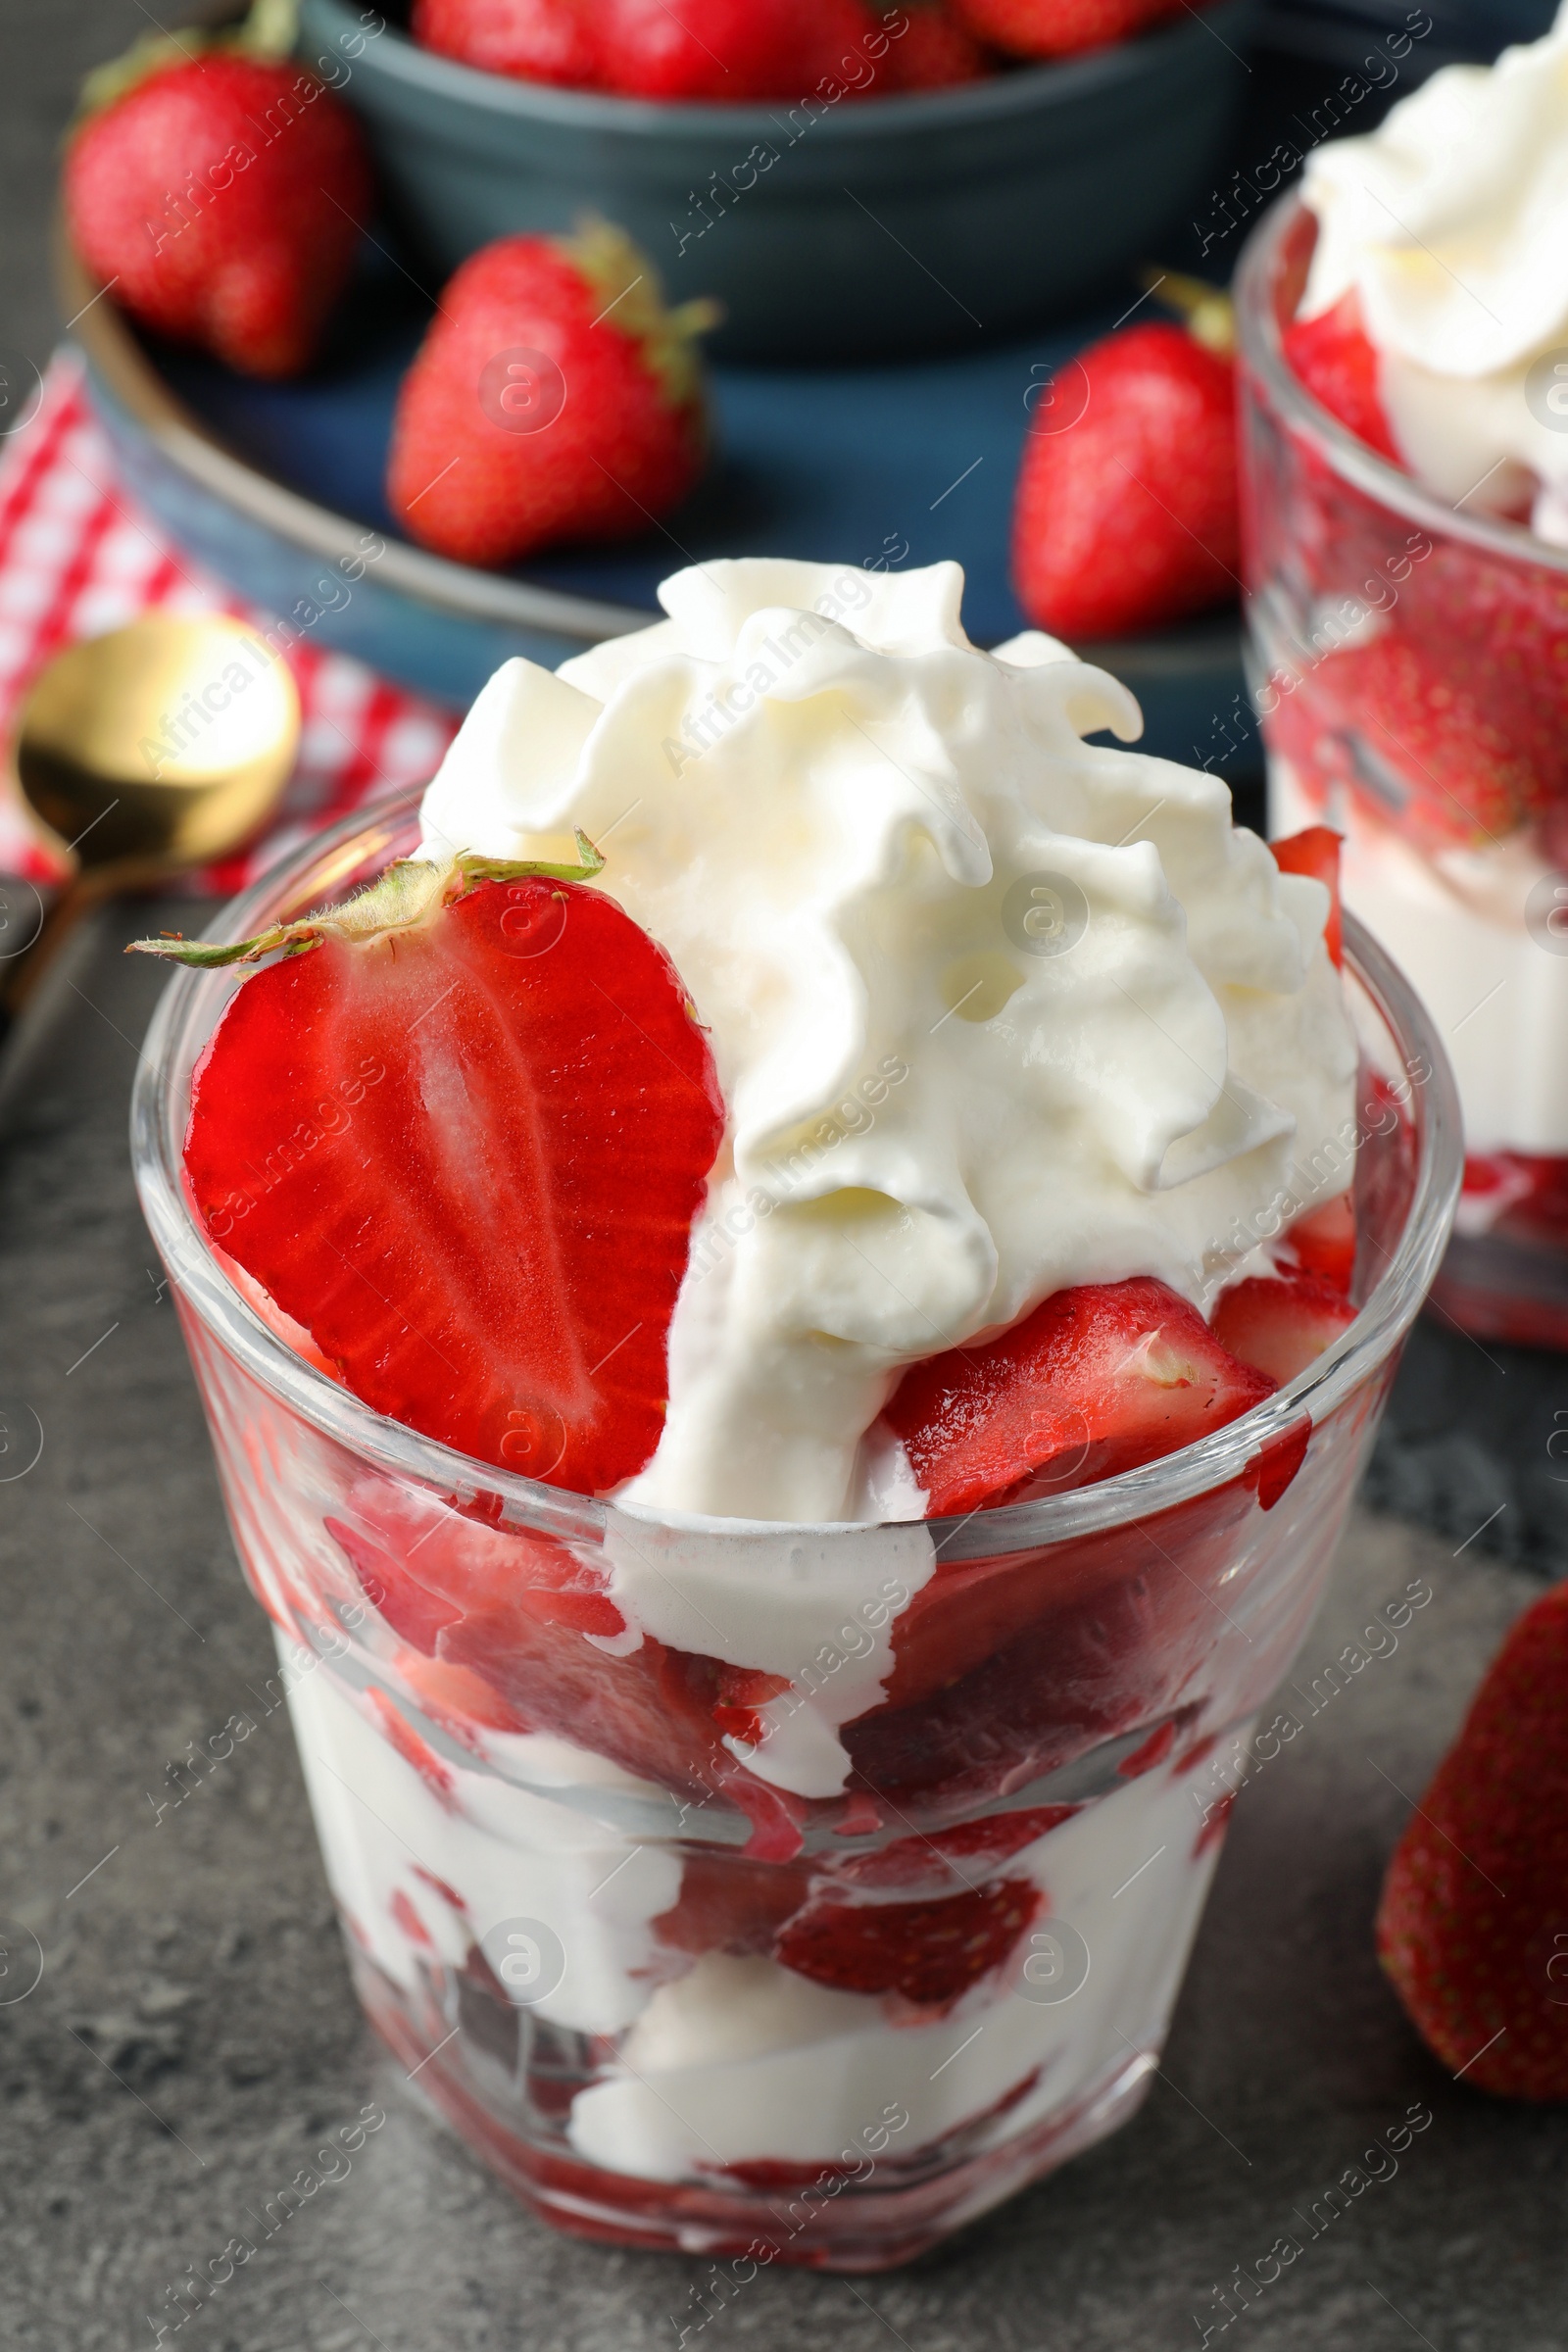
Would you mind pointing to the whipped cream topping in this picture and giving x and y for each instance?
(1452, 222)
(994, 1010)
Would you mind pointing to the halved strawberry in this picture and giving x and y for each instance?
(1098, 1380)
(1316, 852)
(1337, 361)
(1323, 1244)
(930, 1953)
(459, 1134)
(1282, 1324)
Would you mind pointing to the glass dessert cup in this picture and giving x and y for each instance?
(1452, 855)
(669, 2000)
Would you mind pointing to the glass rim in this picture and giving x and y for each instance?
(157, 1136)
(1261, 350)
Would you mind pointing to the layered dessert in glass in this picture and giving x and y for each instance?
(788, 1322)
(1403, 327)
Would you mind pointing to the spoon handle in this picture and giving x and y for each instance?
(24, 918)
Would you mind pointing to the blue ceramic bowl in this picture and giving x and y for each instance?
(866, 229)
(273, 486)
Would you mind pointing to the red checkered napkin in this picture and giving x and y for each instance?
(78, 556)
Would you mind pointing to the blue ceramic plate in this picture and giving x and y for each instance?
(268, 484)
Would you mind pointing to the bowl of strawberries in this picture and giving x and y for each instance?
(845, 177)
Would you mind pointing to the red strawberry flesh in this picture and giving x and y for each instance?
(1335, 357)
(471, 1174)
(1323, 1244)
(1316, 852)
(1279, 1325)
(930, 1953)
(1099, 1378)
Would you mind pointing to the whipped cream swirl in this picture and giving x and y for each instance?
(1452, 222)
(994, 1010)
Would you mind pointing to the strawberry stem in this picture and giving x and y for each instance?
(270, 30)
(1207, 311)
(631, 294)
(410, 890)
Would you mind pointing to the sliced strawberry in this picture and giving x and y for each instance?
(1279, 1325)
(1009, 1667)
(742, 1690)
(1148, 1753)
(503, 1613)
(952, 1857)
(1499, 629)
(1323, 1244)
(1522, 1191)
(1425, 751)
(728, 1904)
(1337, 361)
(1316, 852)
(1273, 1468)
(414, 1749)
(930, 1953)
(463, 1149)
(1098, 1380)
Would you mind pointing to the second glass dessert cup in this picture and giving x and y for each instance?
(555, 1746)
(1410, 662)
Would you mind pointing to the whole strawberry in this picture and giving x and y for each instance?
(934, 52)
(553, 398)
(533, 40)
(1473, 1925)
(1057, 27)
(1125, 517)
(725, 51)
(221, 199)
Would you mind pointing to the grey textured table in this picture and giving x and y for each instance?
(192, 2036)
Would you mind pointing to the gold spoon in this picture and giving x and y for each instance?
(143, 752)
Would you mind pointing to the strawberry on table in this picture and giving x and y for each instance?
(220, 198)
(1126, 518)
(553, 397)
(532, 40)
(467, 1166)
(1473, 1925)
(1335, 357)
(1058, 28)
(1099, 1378)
